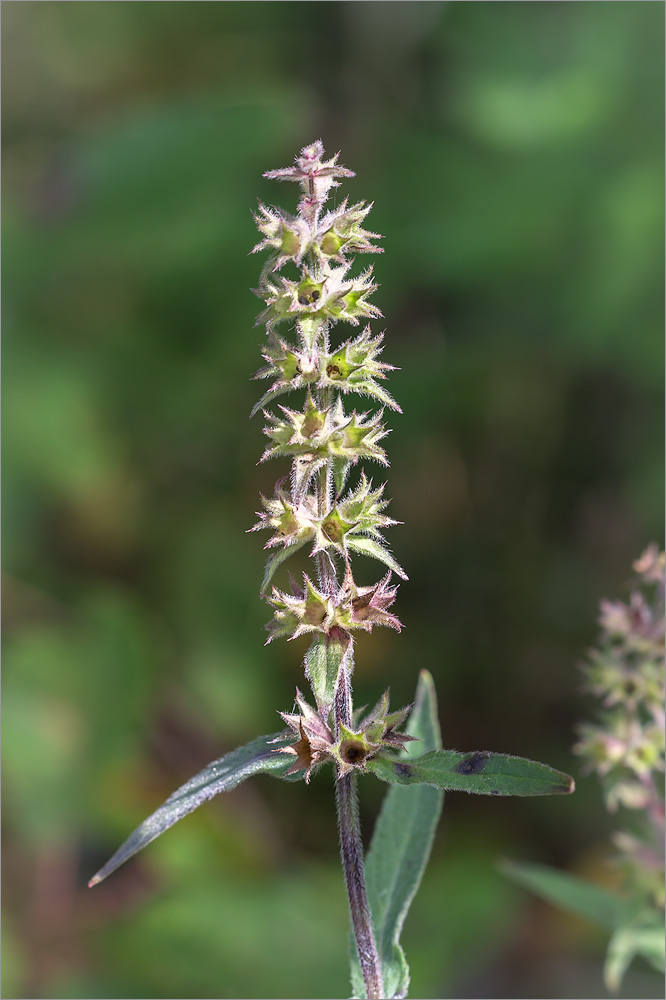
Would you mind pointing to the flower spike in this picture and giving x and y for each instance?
(324, 437)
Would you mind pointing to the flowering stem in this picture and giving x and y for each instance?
(325, 565)
(351, 850)
(324, 442)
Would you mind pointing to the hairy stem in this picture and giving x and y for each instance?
(351, 850)
(325, 565)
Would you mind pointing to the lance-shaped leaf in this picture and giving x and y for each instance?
(480, 773)
(322, 665)
(400, 849)
(276, 559)
(220, 776)
(340, 466)
(637, 929)
(588, 900)
(369, 547)
(642, 936)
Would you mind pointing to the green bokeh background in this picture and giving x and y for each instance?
(514, 155)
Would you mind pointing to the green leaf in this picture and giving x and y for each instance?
(368, 547)
(400, 849)
(340, 465)
(322, 663)
(308, 328)
(303, 470)
(276, 559)
(368, 387)
(636, 931)
(562, 889)
(270, 395)
(480, 772)
(220, 776)
(643, 936)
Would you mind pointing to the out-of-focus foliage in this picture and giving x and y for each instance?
(625, 748)
(514, 153)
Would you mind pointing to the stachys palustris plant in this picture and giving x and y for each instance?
(324, 503)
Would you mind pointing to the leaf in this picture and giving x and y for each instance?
(480, 773)
(400, 849)
(308, 328)
(368, 387)
(368, 547)
(220, 776)
(303, 470)
(634, 933)
(267, 398)
(322, 665)
(562, 889)
(276, 559)
(642, 936)
(340, 466)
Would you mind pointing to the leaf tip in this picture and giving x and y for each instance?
(426, 680)
(566, 784)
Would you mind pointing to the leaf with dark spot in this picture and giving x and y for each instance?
(481, 773)
(472, 764)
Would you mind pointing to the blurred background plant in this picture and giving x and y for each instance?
(625, 748)
(516, 159)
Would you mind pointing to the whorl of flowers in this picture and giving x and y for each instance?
(316, 506)
(626, 746)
